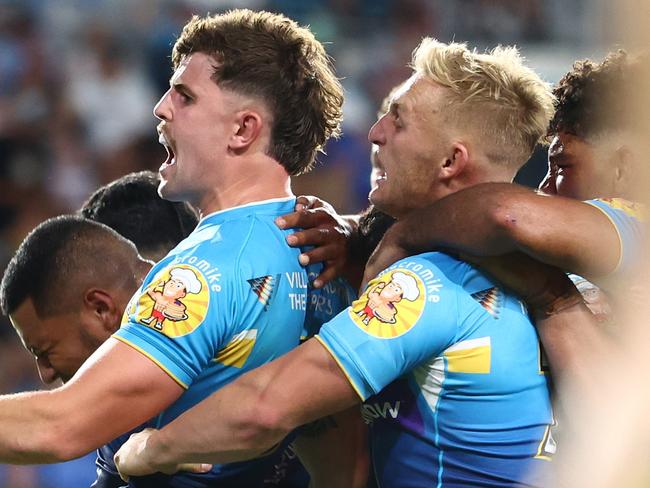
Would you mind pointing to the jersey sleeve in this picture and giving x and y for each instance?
(183, 313)
(325, 303)
(628, 220)
(405, 316)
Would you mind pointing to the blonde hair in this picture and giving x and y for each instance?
(506, 104)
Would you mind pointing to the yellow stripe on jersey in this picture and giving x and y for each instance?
(547, 446)
(633, 209)
(238, 349)
(354, 386)
(471, 356)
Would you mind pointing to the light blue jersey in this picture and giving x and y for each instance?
(229, 298)
(448, 365)
(628, 218)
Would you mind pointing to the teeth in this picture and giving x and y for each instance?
(162, 140)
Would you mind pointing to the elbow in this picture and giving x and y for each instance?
(505, 216)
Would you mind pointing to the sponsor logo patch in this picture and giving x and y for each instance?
(391, 304)
(175, 302)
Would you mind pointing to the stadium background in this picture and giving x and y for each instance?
(79, 78)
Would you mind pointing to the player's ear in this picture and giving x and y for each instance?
(623, 169)
(455, 162)
(247, 130)
(102, 309)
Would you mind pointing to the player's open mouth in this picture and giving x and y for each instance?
(171, 156)
(381, 177)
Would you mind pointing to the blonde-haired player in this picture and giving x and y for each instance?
(460, 396)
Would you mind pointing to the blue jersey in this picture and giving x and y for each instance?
(448, 364)
(229, 298)
(604, 295)
(628, 218)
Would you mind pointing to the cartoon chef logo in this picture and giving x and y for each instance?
(391, 304)
(175, 302)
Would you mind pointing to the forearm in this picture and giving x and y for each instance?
(572, 340)
(497, 218)
(468, 221)
(338, 441)
(254, 413)
(114, 391)
(30, 430)
(228, 426)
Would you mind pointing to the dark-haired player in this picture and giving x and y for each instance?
(131, 206)
(252, 99)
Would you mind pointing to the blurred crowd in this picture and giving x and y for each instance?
(79, 78)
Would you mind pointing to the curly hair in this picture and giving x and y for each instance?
(592, 97)
(271, 57)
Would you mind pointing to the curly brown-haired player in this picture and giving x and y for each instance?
(594, 117)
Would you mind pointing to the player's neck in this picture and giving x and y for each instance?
(251, 183)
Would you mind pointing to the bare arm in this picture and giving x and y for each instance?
(334, 450)
(567, 329)
(497, 218)
(248, 417)
(115, 390)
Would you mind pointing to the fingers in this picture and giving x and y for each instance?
(328, 274)
(330, 256)
(130, 457)
(309, 201)
(316, 236)
(306, 219)
(194, 467)
(332, 253)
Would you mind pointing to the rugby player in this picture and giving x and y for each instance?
(78, 300)
(132, 207)
(452, 357)
(252, 99)
(595, 155)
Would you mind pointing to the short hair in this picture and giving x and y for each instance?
(595, 98)
(272, 58)
(131, 206)
(62, 256)
(505, 103)
(373, 224)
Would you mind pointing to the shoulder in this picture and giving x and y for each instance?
(620, 206)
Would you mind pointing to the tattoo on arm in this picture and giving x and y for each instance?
(317, 427)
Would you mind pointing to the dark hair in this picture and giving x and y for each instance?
(373, 224)
(131, 206)
(595, 97)
(270, 57)
(62, 255)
